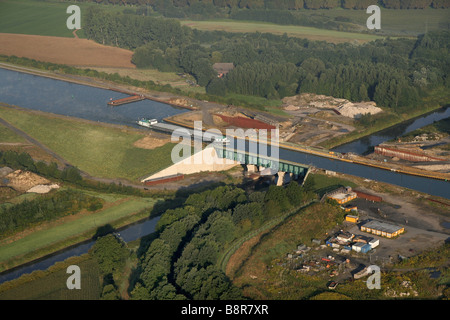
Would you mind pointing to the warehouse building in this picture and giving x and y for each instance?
(382, 229)
(342, 195)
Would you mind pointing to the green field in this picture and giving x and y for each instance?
(39, 17)
(101, 151)
(393, 22)
(291, 31)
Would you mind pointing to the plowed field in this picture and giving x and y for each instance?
(69, 51)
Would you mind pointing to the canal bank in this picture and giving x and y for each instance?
(365, 144)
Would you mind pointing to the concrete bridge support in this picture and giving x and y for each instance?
(251, 168)
(280, 180)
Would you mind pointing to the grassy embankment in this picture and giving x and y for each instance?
(49, 237)
(100, 150)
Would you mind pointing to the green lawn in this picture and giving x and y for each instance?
(101, 151)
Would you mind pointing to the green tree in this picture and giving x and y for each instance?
(110, 253)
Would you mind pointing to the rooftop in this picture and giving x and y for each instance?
(383, 226)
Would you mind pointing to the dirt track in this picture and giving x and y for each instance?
(70, 51)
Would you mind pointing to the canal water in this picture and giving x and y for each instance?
(129, 233)
(366, 144)
(75, 100)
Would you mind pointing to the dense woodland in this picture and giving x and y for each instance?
(182, 261)
(393, 73)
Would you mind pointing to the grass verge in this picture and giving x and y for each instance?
(57, 235)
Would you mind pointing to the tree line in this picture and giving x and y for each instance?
(17, 217)
(393, 73)
(204, 5)
(181, 262)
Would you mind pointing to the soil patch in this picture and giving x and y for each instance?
(69, 51)
(24, 180)
(150, 142)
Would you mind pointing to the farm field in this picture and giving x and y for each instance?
(292, 31)
(100, 150)
(74, 52)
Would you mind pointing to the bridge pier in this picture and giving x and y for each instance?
(251, 168)
(280, 180)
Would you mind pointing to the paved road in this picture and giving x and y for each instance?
(34, 141)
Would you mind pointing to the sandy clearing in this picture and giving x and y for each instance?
(70, 51)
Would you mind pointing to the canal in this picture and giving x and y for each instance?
(129, 233)
(365, 145)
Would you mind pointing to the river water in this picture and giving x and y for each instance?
(65, 98)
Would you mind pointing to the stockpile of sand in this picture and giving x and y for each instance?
(43, 188)
(356, 110)
(24, 180)
(343, 106)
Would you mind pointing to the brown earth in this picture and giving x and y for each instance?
(69, 51)
(24, 180)
(150, 142)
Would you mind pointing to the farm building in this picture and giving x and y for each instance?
(382, 229)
